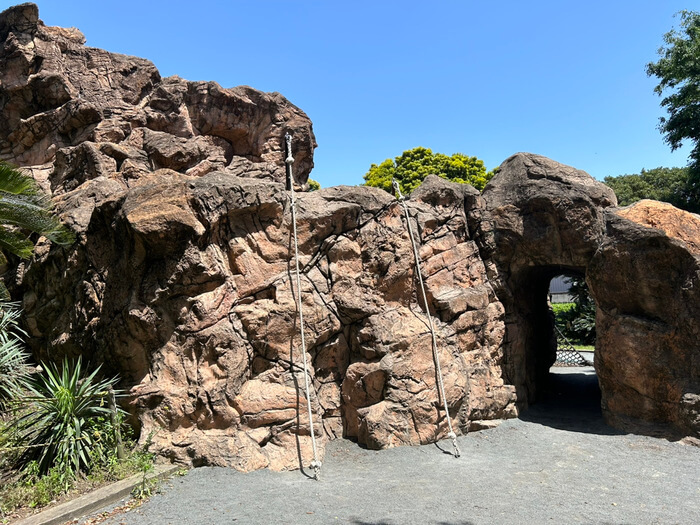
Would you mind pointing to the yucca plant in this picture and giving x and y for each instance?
(14, 370)
(57, 431)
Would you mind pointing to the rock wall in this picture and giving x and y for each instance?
(181, 278)
(202, 321)
(71, 113)
(642, 266)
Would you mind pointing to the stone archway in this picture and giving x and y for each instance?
(532, 343)
(642, 266)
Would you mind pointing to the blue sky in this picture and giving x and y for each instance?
(560, 78)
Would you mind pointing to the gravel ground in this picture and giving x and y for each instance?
(558, 464)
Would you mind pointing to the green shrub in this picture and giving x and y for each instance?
(561, 309)
(66, 407)
(59, 429)
(576, 320)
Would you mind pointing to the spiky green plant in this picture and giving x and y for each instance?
(57, 431)
(14, 370)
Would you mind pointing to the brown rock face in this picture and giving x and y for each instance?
(183, 285)
(182, 276)
(646, 279)
(71, 113)
(548, 219)
(643, 269)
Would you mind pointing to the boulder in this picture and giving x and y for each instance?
(646, 280)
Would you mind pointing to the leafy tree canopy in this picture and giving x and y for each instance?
(670, 185)
(678, 71)
(413, 166)
(314, 185)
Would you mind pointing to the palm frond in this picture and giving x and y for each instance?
(12, 180)
(15, 242)
(24, 206)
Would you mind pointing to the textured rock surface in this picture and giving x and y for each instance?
(202, 320)
(181, 279)
(548, 219)
(71, 113)
(646, 280)
(642, 266)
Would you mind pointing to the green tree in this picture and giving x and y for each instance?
(576, 320)
(670, 185)
(678, 71)
(25, 209)
(314, 185)
(413, 166)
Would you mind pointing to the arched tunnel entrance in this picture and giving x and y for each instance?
(549, 391)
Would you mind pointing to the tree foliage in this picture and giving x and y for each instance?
(670, 185)
(678, 71)
(413, 166)
(314, 185)
(577, 320)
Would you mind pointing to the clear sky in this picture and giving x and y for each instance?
(565, 79)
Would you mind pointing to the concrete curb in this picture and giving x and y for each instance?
(96, 500)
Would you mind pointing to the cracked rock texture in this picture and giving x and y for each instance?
(182, 279)
(72, 113)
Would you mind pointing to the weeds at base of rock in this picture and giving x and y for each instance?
(145, 464)
(22, 493)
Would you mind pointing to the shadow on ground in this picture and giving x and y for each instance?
(571, 402)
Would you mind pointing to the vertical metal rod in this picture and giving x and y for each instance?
(438, 370)
(289, 160)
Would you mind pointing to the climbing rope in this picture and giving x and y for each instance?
(451, 434)
(315, 464)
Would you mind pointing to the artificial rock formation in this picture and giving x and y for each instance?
(182, 280)
(72, 113)
(646, 280)
(642, 266)
(548, 219)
